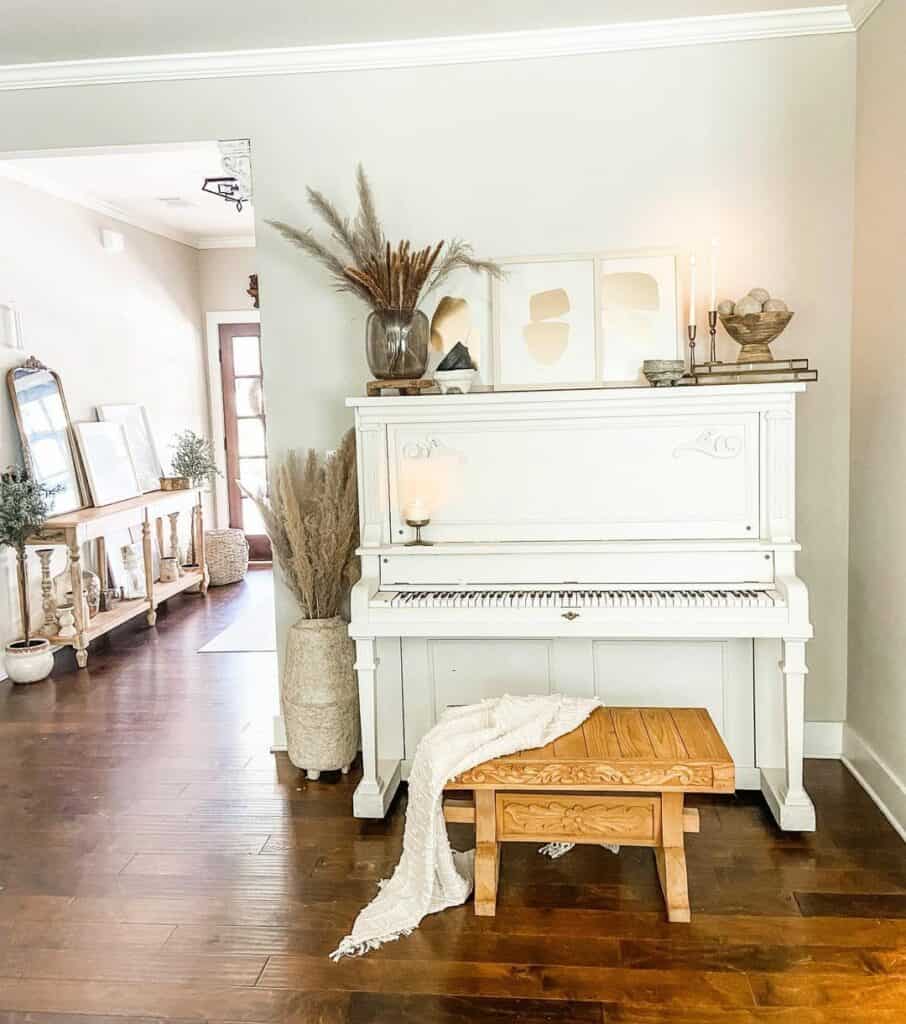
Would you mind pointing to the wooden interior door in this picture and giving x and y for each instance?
(246, 430)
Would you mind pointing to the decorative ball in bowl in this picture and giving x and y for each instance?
(454, 381)
(754, 332)
(663, 373)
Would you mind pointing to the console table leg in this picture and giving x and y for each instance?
(201, 554)
(151, 615)
(79, 607)
(671, 858)
(487, 853)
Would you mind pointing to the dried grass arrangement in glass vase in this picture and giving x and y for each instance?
(390, 279)
(311, 518)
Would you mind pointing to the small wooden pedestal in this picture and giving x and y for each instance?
(619, 778)
(413, 386)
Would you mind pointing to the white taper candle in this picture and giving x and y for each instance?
(692, 291)
(715, 248)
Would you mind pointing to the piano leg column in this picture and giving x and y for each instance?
(782, 784)
(377, 787)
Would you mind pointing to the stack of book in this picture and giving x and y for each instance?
(775, 371)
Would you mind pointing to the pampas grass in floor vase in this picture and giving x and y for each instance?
(311, 518)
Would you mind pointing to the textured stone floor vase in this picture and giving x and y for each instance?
(320, 698)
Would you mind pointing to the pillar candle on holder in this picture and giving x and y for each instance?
(416, 511)
(692, 291)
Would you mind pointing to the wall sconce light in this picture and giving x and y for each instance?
(10, 326)
(112, 241)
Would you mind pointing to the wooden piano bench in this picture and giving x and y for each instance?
(619, 778)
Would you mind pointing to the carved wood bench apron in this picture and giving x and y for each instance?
(619, 778)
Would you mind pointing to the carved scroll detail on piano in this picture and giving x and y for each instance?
(579, 773)
(563, 817)
(714, 444)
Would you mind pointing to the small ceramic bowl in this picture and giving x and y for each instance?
(454, 381)
(663, 373)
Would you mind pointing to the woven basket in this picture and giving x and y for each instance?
(227, 555)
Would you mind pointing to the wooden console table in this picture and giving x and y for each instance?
(92, 524)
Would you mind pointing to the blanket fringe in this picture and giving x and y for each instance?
(348, 947)
(555, 850)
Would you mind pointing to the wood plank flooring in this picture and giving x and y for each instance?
(158, 864)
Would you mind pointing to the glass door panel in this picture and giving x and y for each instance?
(246, 430)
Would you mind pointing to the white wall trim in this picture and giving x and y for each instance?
(341, 57)
(217, 426)
(823, 739)
(70, 195)
(878, 780)
(861, 10)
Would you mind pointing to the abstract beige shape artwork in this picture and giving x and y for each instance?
(546, 342)
(546, 323)
(638, 313)
(548, 305)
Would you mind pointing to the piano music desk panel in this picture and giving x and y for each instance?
(634, 543)
(603, 478)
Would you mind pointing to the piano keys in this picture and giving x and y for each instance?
(578, 519)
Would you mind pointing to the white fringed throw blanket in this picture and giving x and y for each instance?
(430, 875)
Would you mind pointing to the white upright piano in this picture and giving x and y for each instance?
(633, 543)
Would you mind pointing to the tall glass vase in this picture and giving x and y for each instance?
(397, 343)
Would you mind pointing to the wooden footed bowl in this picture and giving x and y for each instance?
(755, 333)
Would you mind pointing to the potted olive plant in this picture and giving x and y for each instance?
(24, 508)
(193, 465)
(311, 518)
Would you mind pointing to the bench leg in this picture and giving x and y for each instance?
(671, 858)
(487, 853)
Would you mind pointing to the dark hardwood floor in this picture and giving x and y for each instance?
(158, 864)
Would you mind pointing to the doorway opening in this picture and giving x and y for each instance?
(245, 431)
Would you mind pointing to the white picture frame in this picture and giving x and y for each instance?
(637, 313)
(108, 462)
(605, 314)
(133, 587)
(544, 323)
(140, 438)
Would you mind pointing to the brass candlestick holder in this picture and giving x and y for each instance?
(692, 331)
(712, 330)
(417, 525)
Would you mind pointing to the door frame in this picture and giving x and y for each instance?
(217, 424)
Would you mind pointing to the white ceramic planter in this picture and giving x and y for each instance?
(28, 664)
(320, 696)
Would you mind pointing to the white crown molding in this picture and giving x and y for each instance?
(526, 45)
(89, 202)
(224, 242)
(861, 10)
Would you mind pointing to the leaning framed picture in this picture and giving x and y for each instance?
(544, 323)
(108, 462)
(574, 321)
(637, 316)
(140, 439)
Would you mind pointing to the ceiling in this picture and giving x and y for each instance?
(59, 30)
(154, 187)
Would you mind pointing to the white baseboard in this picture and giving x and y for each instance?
(279, 742)
(878, 780)
(823, 739)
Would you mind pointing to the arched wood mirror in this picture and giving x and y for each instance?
(48, 442)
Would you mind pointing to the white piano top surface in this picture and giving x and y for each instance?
(485, 395)
(577, 547)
